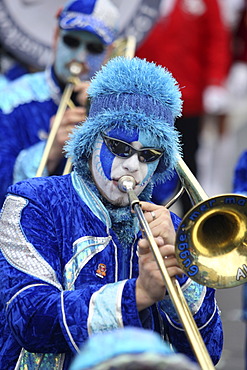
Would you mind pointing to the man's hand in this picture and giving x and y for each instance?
(150, 286)
(81, 93)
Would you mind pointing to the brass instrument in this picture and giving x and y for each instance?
(75, 70)
(127, 184)
(210, 247)
(211, 243)
(124, 46)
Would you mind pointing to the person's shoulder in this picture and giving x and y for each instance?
(42, 188)
(26, 80)
(242, 160)
(25, 89)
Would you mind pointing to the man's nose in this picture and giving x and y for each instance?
(132, 163)
(81, 54)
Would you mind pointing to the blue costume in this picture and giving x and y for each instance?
(61, 282)
(14, 70)
(27, 105)
(69, 259)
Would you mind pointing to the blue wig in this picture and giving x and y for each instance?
(131, 94)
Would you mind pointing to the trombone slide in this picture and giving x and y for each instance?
(172, 285)
(50, 141)
(75, 70)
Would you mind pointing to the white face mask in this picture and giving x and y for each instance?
(107, 169)
(78, 46)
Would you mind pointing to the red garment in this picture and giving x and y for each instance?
(194, 44)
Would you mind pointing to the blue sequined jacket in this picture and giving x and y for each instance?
(55, 237)
(26, 106)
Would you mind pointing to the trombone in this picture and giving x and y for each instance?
(212, 237)
(75, 70)
(231, 214)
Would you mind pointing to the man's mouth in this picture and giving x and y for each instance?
(77, 68)
(115, 182)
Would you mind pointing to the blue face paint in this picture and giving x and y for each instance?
(128, 136)
(148, 141)
(107, 168)
(107, 158)
(65, 55)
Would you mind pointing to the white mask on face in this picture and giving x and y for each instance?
(81, 47)
(107, 169)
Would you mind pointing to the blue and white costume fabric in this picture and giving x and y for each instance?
(14, 71)
(66, 277)
(26, 106)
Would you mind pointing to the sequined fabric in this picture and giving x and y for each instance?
(194, 295)
(84, 249)
(38, 361)
(16, 249)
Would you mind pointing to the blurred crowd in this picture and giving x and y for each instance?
(221, 146)
(203, 43)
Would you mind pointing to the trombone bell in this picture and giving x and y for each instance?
(211, 242)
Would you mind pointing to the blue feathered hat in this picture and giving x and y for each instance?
(131, 94)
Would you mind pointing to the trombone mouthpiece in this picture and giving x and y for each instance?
(75, 68)
(126, 183)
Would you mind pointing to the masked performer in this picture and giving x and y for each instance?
(73, 260)
(84, 34)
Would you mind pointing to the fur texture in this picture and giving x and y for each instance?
(131, 94)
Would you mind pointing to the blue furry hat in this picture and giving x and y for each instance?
(131, 94)
(129, 348)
